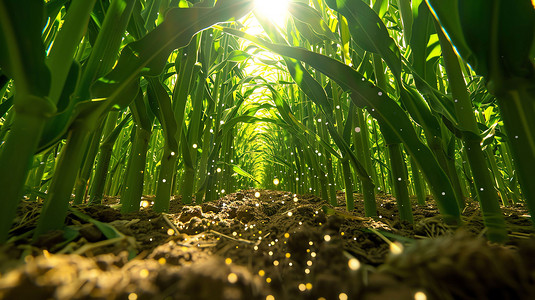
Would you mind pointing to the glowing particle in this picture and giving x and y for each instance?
(268, 280)
(327, 238)
(144, 273)
(288, 255)
(228, 260)
(257, 194)
(420, 296)
(270, 297)
(290, 214)
(275, 181)
(295, 199)
(396, 248)
(309, 286)
(309, 263)
(170, 231)
(144, 204)
(222, 191)
(232, 278)
(342, 296)
(194, 146)
(262, 273)
(275, 263)
(132, 296)
(354, 264)
(218, 170)
(302, 287)
(162, 260)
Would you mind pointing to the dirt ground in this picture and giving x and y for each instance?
(274, 246)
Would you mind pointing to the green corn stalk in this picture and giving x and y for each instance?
(395, 153)
(133, 189)
(162, 107)
(419, 184)
(82, 180)
(484, 34)
(106, 149)
(120, 85)
(55, 207)
(383, 108)
(488, 198)
(316, 93)
(22, 57)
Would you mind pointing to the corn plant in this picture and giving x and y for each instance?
(134, 97)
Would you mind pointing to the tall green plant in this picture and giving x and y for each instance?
(120, 86)
(485, 34)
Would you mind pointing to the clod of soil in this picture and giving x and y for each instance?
(278, 245)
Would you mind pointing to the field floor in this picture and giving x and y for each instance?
(275, 246)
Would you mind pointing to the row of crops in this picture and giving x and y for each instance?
(169, 97)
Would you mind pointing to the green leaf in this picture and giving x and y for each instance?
(22, 53)
(381, 7)
(446, 12)
(112, 137)
(421, 31)
(140, 113)
(313, 19)
(301, 76)
(419, 110)
(180, 25)
(477, 22)
(511, 20)
(119, 87)
(5, 106)
(242, 172)
(369, 31)
(55, 127)
(109, 231)
(238, 56)
(365, 95)
(160, 103)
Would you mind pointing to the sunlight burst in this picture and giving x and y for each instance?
(275, 10)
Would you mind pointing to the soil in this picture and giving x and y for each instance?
(275, 246)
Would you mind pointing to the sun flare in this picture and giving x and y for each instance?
(275, 10)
